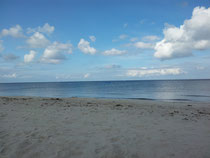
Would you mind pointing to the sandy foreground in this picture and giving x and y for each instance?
(33, 127)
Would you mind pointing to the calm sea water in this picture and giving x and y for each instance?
(180, 90)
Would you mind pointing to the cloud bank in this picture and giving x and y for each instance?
(46, 28)
(15, 31)
(55, 52)
(37, 40)
(153, 72)
(181, 41)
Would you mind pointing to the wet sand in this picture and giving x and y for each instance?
(32, 127)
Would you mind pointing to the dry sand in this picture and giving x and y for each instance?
(32, 127)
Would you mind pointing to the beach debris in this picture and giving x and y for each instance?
(203, 112)
(118, 105)
(56, 99)
(185, 118)
(171, 113)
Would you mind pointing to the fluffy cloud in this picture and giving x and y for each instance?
(46, 28)
(150, 38)
(37, 40)
(92, 38)
(114, 51)
(29, 57)
(1, 46)
(54, 53)
(15, 31)
(143, 45)
(153, 72)
(194, 34)
(84, 47)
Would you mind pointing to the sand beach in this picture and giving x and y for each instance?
(32, 127)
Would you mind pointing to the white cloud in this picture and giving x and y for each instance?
(13, 75)
(92, 38)
(150, 38)
(1, 46)
(114, 51)
(29, 57)
(37, 40)
(54, 53)
(143, 45)
(46, 28)
(86, 75)
(181, 41)
(84, 46)
(133, 39)
(153, 72)
(15, 31)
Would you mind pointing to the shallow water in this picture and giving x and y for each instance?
(170, 90)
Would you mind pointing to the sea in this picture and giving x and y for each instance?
(165, 90)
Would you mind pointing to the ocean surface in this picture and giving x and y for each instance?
(167, 90)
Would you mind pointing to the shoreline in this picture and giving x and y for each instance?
(125, 99)
(92, 127)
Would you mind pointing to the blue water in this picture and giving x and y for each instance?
(170, 90)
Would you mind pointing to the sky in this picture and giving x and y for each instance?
(97, 40)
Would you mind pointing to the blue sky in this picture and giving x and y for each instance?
(104, 40)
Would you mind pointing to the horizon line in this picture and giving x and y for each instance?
(102, 80)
